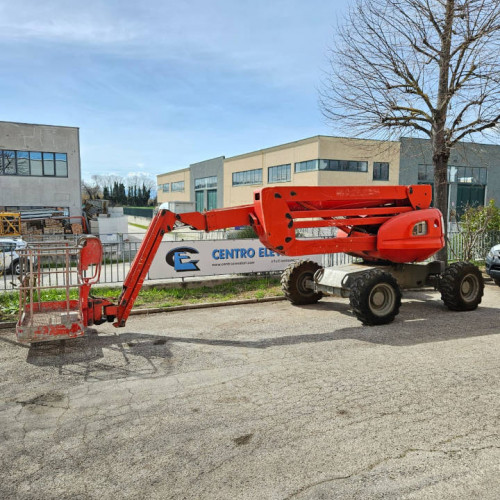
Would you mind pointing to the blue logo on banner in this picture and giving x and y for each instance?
(179, 259)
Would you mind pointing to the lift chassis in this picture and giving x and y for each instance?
(392, 230)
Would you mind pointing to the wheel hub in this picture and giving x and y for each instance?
(382, 299)
(469, 287)
(378, 298)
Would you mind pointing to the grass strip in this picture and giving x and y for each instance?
(251, 288)
(137, 225)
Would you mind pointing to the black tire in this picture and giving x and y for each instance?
(461, 286)
(497, 281)
(293, 282)
(15, 267)
(375, 297)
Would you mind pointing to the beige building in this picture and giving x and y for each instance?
(316, 161)
(174, 186)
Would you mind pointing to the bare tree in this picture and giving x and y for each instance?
(91, 190)
(422, 67)
(107, 180)
(137, 179)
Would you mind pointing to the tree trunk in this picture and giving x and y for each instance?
(440, 160)
(439, 134)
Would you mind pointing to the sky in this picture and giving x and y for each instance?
(157, 85)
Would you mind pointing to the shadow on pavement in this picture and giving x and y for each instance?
(417, 323)
(86, 354)
(440, 325)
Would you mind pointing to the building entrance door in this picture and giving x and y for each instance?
(469, 195)
(200, 200)
(211, 199)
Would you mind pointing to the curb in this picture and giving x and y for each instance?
(187, 307)
(206, 305)
(7, 324)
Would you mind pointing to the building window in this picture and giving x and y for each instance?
(178, 186)
(279, 173)
(306, 166)
(33, 163)
(23, 163)
(9, 163)
(332, 165)
(468, 175)
(164, 187)
(49, 166)
(380, 171)
(205, 182)
(61, 164)
(343, 165)
(36, 163)
(459, 175)
(425, 173)
(247, 177)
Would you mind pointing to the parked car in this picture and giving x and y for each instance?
(9, 258)
(493, 263)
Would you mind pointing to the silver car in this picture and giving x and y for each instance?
(9, 258)
(493, 263)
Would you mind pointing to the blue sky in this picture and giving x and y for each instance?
(157, 85)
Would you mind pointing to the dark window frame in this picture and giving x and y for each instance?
(379, 168)
(286, 167)
(174, 189)
(359, 166)
(57, 160)
(209, 182)
(250, 174)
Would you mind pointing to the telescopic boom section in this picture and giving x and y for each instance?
(161, 224)
(387, 222)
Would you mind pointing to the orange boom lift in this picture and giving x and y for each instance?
(391, 228)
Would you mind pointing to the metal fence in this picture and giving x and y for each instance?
(119, 251)
(139, 211)
(457, 245)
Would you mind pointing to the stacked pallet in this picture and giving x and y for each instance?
(76, 228)
(31, 229)
(53, 226)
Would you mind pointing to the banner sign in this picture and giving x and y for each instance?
(176, 259)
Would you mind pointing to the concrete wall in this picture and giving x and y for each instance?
(40, 191)
(209, 168)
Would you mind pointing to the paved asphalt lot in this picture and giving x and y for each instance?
(264, 401)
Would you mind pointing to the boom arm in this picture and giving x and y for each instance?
(164, 223)
(379, 223)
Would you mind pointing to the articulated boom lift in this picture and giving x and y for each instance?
(392, 228)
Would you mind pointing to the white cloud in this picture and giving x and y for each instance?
(257, 37)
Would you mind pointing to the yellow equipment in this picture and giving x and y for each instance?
(10, 224)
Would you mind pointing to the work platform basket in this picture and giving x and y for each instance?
(55, 280)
